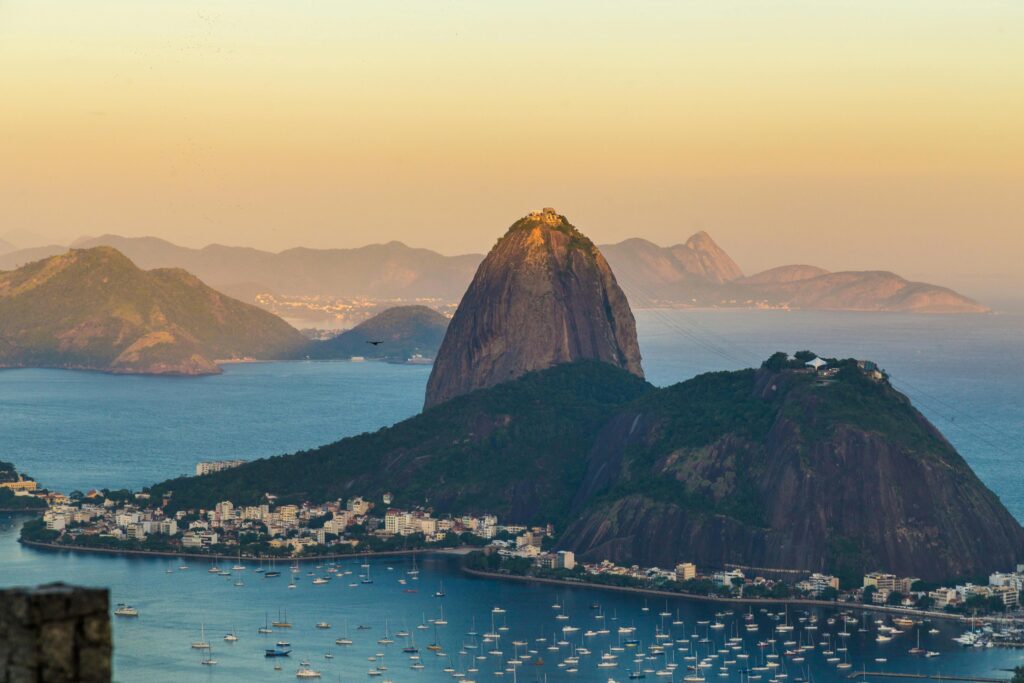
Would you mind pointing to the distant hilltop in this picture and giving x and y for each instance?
(537, 411)
(544, 295)
(698, 273)
(93, 309)
(693, 273)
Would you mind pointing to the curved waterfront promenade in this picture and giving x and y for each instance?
(715, 598)
(881, 609)
(221, 556)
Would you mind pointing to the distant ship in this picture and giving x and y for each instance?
(419, 359)
(357, 359)
(126, 611)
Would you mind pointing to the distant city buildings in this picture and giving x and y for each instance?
(563, 559)
(287, 527)
(99, 519)
(209, 467)
(21, 487)
(816, 584)
(886, 584)
(686, 571)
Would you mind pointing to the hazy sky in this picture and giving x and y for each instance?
(863, 134)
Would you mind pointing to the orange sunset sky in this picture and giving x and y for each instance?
(861, 134)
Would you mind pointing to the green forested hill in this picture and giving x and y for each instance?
(775, 467)
(494, 450)
(94, 309)
(402, 331)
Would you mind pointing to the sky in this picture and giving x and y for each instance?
(852, 135)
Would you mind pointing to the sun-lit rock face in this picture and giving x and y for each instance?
(543, 296)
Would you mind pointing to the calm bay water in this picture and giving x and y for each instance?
(90, 430)
(174, 606)
(80, 430)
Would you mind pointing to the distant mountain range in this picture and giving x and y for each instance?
(699, 273)
(93, 309)
(298, 283)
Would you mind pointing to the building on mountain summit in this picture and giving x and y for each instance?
(546, 215)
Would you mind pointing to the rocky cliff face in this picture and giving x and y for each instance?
(702, 255)
(544, 295)
(844, 477)
(777, 469)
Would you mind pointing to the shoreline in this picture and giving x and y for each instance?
(462, 550)
(711, 598)
(40, 545)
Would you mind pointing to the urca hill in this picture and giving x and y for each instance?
(781, 466)
(94, 309)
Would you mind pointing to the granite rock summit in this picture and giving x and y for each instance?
(544, 295)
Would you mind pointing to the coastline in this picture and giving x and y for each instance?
(39, 545)
(712, 598)
(462, 550)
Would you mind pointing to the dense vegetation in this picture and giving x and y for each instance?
(95, 309)
(577, 240)
(514, 450)
(693, 415)
(479, 452)
(8, 500)
(760, 457)
(8, 473)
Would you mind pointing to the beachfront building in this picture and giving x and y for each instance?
(685, 571)
(816, 584)
(725, 578)
(563, 559)
(21, 487)
(1013, 580)
(199, 540)
(211, 466)
(944, 597)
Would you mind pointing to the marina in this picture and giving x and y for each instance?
(480, 629)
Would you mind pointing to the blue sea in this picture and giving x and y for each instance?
(77, 430)
(83, 430)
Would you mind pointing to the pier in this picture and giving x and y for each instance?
(934, 677)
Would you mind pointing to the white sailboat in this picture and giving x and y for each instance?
(202, 643)
(344, 640)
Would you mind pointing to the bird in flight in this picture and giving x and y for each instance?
(375, 343)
